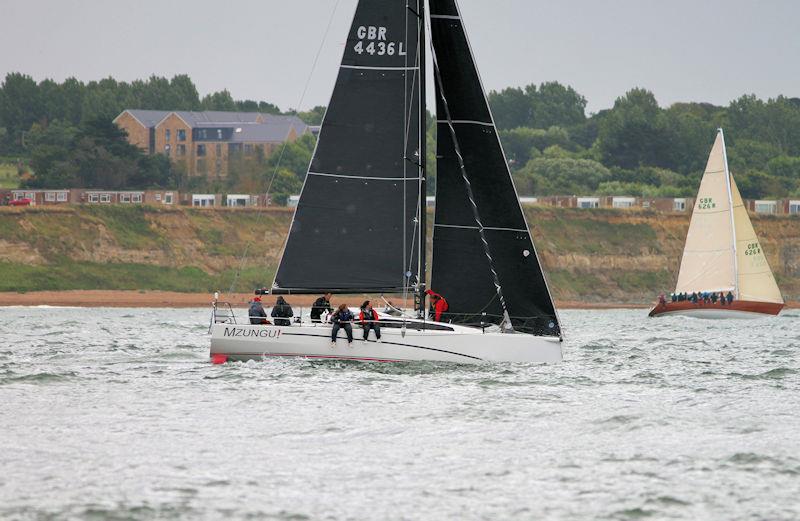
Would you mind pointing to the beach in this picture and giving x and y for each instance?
(174, 299)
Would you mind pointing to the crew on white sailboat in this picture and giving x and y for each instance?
(257, 313)
(282, 312)
(342, 319)
(369, 320)
(438, 304)
(321, 305)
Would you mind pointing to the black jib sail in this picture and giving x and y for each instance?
(355, 228)
(484, 261)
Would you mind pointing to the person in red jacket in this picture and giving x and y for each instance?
(439, 304)
(369, 320)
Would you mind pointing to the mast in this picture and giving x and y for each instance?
(730, 206)
(423, 189)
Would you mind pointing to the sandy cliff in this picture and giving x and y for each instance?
(623, 256)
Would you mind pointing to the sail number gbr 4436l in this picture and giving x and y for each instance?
(372, 40)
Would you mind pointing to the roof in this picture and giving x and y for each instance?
(274, 130)
(148, 118)
(256, 127)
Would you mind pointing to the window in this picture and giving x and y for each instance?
(202, 200)
(136, 198)
(105, 198)
(202, 133)
(794, 207)
(219, 149)
(30, 195)
(588, 202)
(93, 198)
(168, 198)
(181, 134)
(124, 198)
(219, 134)
(218, 166)
(158, 197)
(201, 166)
(623, 202)
(62, 197)
(167, 135)
(766, 207)
(167, 150)
(679, 205)
(201, 150)
(181, 150)
(50, 196)
(248, 150)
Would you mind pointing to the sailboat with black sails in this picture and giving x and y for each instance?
(360, 225)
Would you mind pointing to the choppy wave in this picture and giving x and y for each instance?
(119, 415)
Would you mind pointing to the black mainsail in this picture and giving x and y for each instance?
(484, 260)
(356, 227)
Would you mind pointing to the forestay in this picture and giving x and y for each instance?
(484, 260)
(354, 229)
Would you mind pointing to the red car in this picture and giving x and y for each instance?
(21, 202)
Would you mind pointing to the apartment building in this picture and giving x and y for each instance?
(205, 142)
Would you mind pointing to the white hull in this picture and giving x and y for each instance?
(461, 345)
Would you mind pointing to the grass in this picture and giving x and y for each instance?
(128, 225)
(124, 276)
(578, 231)
(9, 179)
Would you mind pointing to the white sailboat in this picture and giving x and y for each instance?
(360, 225)
(722, 253)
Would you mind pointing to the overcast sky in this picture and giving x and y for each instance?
(683, 50)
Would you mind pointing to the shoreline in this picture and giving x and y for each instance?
(172, 299)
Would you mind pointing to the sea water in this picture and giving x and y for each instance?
(117, 414)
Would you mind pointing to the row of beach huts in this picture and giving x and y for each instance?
(42, 197)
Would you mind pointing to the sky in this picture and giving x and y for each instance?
(682, 50)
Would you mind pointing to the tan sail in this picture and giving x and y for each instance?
(755, 279)
(708, 262)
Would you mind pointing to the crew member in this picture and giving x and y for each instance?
(369, 320)
(438, 303)
(321, 304)
(342, 319)
(282, 312)
(257, 313)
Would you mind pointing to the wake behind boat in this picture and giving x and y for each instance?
(360, 224)
(724, 272)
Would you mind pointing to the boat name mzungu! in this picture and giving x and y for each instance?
(263, 333)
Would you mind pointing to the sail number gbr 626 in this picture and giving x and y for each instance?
(372, 40)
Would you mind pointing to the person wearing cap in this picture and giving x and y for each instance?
(438, 303)
(257, 313)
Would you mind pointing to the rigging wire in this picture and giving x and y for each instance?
(243, 260)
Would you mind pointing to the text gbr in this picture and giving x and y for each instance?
(372, 40)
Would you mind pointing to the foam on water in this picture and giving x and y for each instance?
(118, 414)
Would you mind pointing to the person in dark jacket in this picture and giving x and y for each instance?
(369, 320)
(257, 313)
(342, 319)
(319, 306)
(282, 312)
(729, 297)
(438, 303)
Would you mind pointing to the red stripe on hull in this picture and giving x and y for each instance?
(322, 357)
(746, 306)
